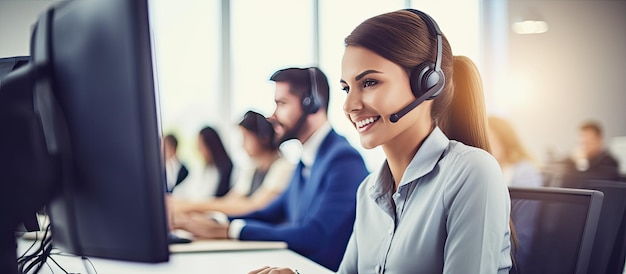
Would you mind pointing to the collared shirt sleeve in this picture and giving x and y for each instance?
(234, 230)
(477, 208)
(349, 263)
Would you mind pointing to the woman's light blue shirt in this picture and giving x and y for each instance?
(450, 214)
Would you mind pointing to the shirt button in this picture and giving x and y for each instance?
(377, 269)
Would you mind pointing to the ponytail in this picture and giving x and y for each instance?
(466, 118)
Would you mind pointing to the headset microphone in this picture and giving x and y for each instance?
(427, 79)
(396, 116)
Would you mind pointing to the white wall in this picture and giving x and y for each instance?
(571, 73)
(16, 20)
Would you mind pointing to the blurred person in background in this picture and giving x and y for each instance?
(175, 170)
(214, 178)
(517, 165)
(590, 160)
(256, 185)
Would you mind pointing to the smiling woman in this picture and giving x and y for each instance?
(424, 107)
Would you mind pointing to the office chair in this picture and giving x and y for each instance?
(555, 229)
(609, 248)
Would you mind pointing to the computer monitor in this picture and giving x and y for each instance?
(85, 134)
(555, 228)
(7, 65)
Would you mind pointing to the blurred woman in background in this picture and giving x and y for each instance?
(214, 179)
(517, 165)
(175, 170)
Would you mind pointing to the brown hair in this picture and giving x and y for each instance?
(514, 151)
(224, 164)
(300, 83)
(171, 139)
(262, 129)
(593, 126)
(403, 38)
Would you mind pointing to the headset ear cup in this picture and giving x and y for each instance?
(436, 78)
(419, 76)
(311, 103)
(423, 78)
(306, 104)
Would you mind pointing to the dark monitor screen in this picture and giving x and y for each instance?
(555, 228)
(93, 91)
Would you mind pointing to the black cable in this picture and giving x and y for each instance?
(43, 257)
(25, 257)
(55, 262)
(31, 246)
(26, 262)
(84, 258)
(49, 267)
(38, 258)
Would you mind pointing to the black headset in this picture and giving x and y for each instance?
(311, 102)
(427, 78)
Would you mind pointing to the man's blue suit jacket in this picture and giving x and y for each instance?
(314, 216)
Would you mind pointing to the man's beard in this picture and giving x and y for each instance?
(293, 132)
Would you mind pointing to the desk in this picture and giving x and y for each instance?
(190, 263)
(225, 245)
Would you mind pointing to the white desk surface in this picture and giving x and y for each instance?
(225, 245)
(190, 263)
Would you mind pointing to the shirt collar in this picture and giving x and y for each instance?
(423, 162)
(426, 157)
(312, 145)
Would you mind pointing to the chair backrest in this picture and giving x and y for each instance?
(609, 245)
(555, 228)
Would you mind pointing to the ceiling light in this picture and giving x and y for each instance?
(530, 27)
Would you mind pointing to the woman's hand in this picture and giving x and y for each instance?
(273, 270)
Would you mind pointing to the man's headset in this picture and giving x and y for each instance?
(311, 102)
(427, 79)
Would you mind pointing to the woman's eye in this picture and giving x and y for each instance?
(369, 83)
(346, 89)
